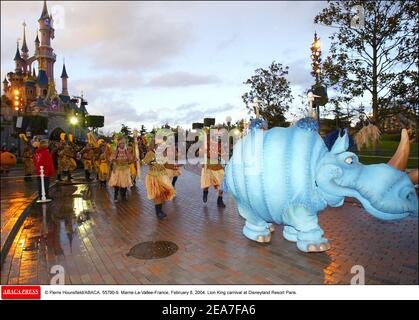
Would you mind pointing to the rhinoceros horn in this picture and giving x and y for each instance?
(400, 158)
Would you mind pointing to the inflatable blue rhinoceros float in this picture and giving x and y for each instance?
(287, 175)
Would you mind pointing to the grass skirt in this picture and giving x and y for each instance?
(103, 171)
(173, 172)
(212, 178)
(159, 188)
(120, 177)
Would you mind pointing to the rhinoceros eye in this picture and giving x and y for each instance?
(349, 160)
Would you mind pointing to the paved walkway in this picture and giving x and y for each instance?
(90, 236)
(16, 195)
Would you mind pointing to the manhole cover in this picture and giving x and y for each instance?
(153, 250)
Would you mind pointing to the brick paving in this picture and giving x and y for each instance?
(90, 236)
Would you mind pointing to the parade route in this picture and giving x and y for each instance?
(87, 234)
(16, 196)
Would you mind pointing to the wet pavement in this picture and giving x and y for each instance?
(16, 195)
(83, 231)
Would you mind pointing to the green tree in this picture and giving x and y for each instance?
(272, 90)
(126, 130)
(143, 129)
(373, 50)
(342, 110)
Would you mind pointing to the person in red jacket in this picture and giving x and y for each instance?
(43, 157)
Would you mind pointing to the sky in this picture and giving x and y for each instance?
(169, 62)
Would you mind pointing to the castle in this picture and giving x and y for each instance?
(32, 92)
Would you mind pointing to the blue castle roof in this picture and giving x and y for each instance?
(42, 78)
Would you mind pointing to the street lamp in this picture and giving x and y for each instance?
(74, 121)
(17, 99)
(315, 58)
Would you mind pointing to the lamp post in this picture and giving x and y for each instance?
(316, 68)
(316, 73)
(17, 105)
(73, 122)
(316, 58)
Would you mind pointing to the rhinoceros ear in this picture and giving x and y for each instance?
(341, 144)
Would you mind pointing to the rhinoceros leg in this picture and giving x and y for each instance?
(303, 228)
(290, 233)
(255, 229)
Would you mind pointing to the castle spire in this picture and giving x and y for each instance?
(44, 14)
(17, 55)
(64, 72)
(18, 59)
(36, 44)
(24, 46)
(64, 85)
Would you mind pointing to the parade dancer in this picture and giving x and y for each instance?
(133, 164)
(103, 164)
(159, 188)
(87, 155)
(212, 174)
(173, 170)
(120, 178)
(57, 148)
(96, 156)
(27, 156)
(66, 159)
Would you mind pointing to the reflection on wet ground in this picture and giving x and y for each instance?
(91, 237)
(16, 194)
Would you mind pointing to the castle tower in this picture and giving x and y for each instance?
(18, 60)
(36, 44)
(46, 57)
(64, 77)
(24, 48)
(42, 84)
(5, 86)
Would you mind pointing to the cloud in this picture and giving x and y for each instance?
(194, 112)
(127, 37)
(223, 45)
(181, 79)
(116, 111)
(299, 73)
(108, 82)
(117, 35)
(119, 112)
